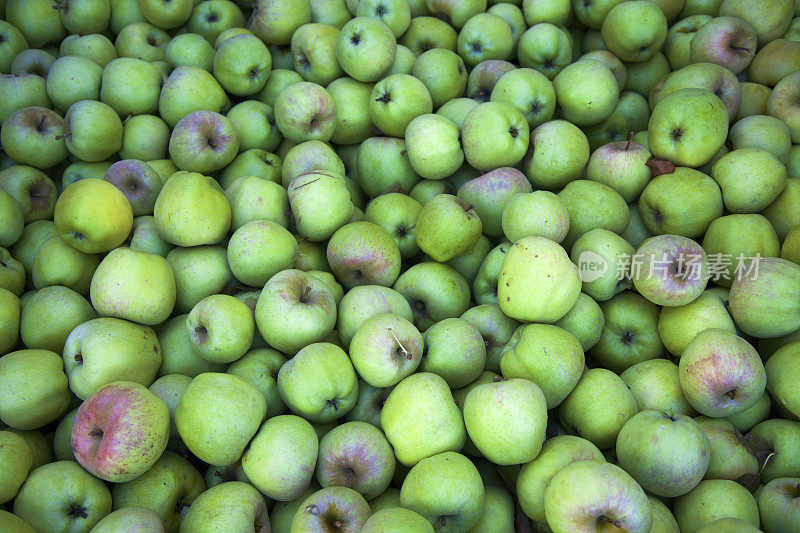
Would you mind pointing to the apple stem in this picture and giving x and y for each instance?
(770, 456)
(305, 293)
(630, 138)
(408, 354)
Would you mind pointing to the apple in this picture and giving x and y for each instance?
(558, 154)
(598, 407)
(138, 181)
(177, 352)
(340, 507)
(58, 263)
(205, 221)
(483, 78)
(485, 36)
(600, 494)
(687, 127)
(656, 386)
(677, 326)
(433, 146)
(714, 499)
(244, 507)
(46, 396)
(279, 470)
(120, 444)
(396, 100)
(762, 131)
(130, 518)
(441, 70)
(187, 89)
(585, 321)
(670, 270)
(199, 271)
(758, 302)
(242, 64)
(421, 284)
(254, 162)
(363, 253)
(621, 166)
(730, 457)
(352, 101)
(34, 136)
(767, 179)
(189, 49)
(260, 249)
(83, 499)
(633, 31)
(144, 137)
(545, 48)
(397, 214)
(383, 166)
(396, 519)
(587, 92)
(732, 239)
(274, 21)
(738, 378)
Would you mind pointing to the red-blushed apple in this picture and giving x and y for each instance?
(670, 270)
(120, 431)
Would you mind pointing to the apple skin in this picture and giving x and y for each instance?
(761, 303)
(781, 368)
(713, 499)
(34, 136)
(417, 405)
(435, 291)
(777, 505)
(558, 154)
(767, 180)
(447, 227)
(780, 436)
(634, 32)
(587, 92)
(203, 141)
(320, 203)
(598, 407)
(396, 519)
(189, 89)
(83, 499)
(218, 415)
(281, 457)
(446, 489)
(363, 253)
(120, 431)
(539, 296)
(678, 458)
(600, 493)
(721, 373)
(331, 505)
(730, 456)
(131, 519)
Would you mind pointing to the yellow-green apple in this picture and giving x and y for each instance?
(447, 227)
(332, 505)
(603, 258)
(435, 291)
(395, 101)
(621, 166)
(530, 354)
(274, 21)
(233, 504)
(545, 48)
(781, 369)
(204, 220)
(294, 310)
(136, 286)
(10, 314)
(721, 374)
(204, 142)
(766, 179)
(383, 166)
(34, 192)
(242, 64)
(417, 405)
(168, 489)
(92, 130)
(363, 253)
(138, 182)
(490, 193)
(200, 271)
(461, 365)
(260, 249)
(313, 49)
(441, 70)
(243, 195)
(281, 457)
(386, 349)
(485, 36)
(362, 303)
(678, 325)
(584, 320)
(530, 92)
(22, 90)
(542, 280)
(131, 86)
(130, 518)
(216, 20)
(35, 388)
(71, 79)
(169, 389)
(189, 50)
(780, 437)
(433, 146)
(366, 48)
(177, 352)
(587, 92)
(305, 111)
(352, 101)
(727, 41)
(600, 494)
(221, 328)
(49, 315)
(17, 458)
(730, 456)
(762, 131)
(144, 137)
(770, 18)
(397, 214)
(82, 498)
(484, 76)
(655, 384)
(396, 519)
(598, 407)
(775, 61)
(710, 76)
(494, 135)
(218, 415)
(260, 367)
(143, 41)
(120, 431)
(325, 370)
(308, 192)
(730, 240)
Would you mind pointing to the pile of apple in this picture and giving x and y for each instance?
(399, 266)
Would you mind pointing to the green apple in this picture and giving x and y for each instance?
(780, 369)
(205, 220)
(621, 166)
(598, 407)
(397, 519)
(313, 50)
(670, 270)
(22, 90)
(530, 92)
(326, 370)
(363, 253)
(309, 156)
(733, 238)
(82, 498)
(58, 263)
(545, 48)
(587, 92)
(634, 32)
(776, 504)
(177, 352)
(213, 18)
(585, 321)
(190, 49)
(310, 190)
(678, 458)
(749, 418)
(169, 389)
(230, 505)
(144, 137)
(779, 436)
(535, 476)
(352, 101)
(677, 326)
(730, 457)
(131, 86)
(200, 271)
(664, 209)
(49, 315)
(762, 131)
(129, 518)
(189, 88)
(384, 166)
(506, 420)
(242, 64)
(204, 142)
(433, 146)
(73, 78)
(34, 136)
(419, 405)
(767, 179)
(759, 303)
(447, 227)
(35, 388)
(590, 494)
(687, 127)
(604, 250)
(494, 134)
(10, 313)
(531, 354)
(274, 21)
(280, 459)
(12, 275)
(17, 460)
(435, 291)
(221, 328)
(558, 154)
(458, 366)
(332, 505)
(13, 43)
(38, 22)
(34, 192)
(138, 181)
(396, 100)
(260, 249)
(485, 36)
(93, 130)
(362, 303)
(441, 70)
(295, 310)
(714, 499)
(218, 415)
(397, 214)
